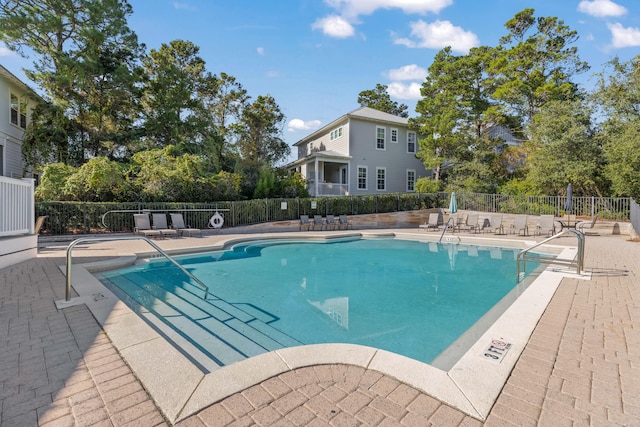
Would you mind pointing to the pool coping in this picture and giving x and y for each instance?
(183, 389)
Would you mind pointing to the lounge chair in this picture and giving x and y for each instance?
(546, 224)
(484, 223)
(587, 224)
(432, 224)
(304, 222)
(177, 223)
(471, 223)
(496, 224)
(143, 226)
(520, 225)
(461, 220)
(344, 222)
(39, 223)
(318, 222)
(160, 223)
(331, 222)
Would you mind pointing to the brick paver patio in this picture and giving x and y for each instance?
(581, 366)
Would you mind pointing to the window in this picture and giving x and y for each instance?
(411, 180)
(411, 142)
(14, 109)
(19, 111)
(380, 138)
(362, 177)
(336, 133)
(381, 181)
(394, 135)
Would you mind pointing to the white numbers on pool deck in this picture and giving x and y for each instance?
(496, 351)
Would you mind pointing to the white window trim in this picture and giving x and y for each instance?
(385, 178)
(414, 180)
(336, 134)
(384, 129)
(366, 177)
(391, 135)
(415, 143)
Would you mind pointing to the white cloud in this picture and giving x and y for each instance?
(183, 6)
(273, 74)
(334, 26)
(601, 8)
(298, 124)
(409, 91)
(260, 51)
(624, 37)
(5, 51)
(353, 8)
(438, 35)
(408, 72)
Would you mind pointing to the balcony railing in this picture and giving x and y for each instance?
(328, 189)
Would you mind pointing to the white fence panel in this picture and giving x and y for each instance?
(16, 206)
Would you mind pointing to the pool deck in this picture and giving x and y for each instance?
(581, 365)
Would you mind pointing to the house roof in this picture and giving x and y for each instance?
(362, 113)
(8, 75)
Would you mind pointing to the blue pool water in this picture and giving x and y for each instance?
(409, 297)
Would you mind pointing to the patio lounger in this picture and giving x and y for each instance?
(143, 226)
(546, 224)
(318, 222)
(344, 221)
(160, 223)
(587, 224)
(39, 224)
(177, 223)
(304, 222)
(520, 225)
(331, 222)
(470, 224)
(432, 224)
(496, 224)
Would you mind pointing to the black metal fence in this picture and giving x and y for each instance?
(83, 218)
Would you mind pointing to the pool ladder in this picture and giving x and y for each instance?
(577, 262)
(106, 239)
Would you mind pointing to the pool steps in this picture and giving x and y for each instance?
(226, 333)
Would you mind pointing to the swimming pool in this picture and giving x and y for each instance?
(419, 299)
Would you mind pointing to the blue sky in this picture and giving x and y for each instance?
(315, 56)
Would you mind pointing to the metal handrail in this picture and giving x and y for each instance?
(578, 261)
(446, 226)
(104, 239)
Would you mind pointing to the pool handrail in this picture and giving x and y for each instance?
(578, 261)
(104, 239)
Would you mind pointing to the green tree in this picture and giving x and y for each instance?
(171, 105)
(259, 132)
(535, 64)
(618, 93)
(453, 111)
(53, 182)
(98, 180)
(379, 99)
(224, 99)
(563, 150)
(84, 55)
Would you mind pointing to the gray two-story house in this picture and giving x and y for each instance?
(365, 151)
(15, 114)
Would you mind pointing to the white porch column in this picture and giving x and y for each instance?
(316, 175)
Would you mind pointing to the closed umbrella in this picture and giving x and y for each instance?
(568, 204)
(453, 204)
